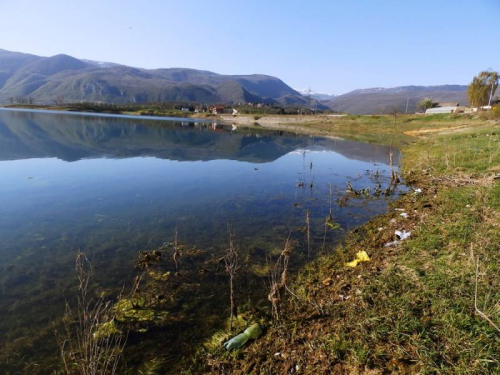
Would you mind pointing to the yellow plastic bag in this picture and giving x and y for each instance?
(361, 256)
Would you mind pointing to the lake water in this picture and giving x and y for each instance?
(113, 186)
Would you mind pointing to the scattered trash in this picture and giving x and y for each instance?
(252, 332)
(417, 191)
(392, 244)
(402, 235)
(399, 209)
(343, 298)
(327, 281)
(361, 256)
(404, 214)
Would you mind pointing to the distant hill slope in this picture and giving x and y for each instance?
(385, 100)
(316, 95)
(47, 78)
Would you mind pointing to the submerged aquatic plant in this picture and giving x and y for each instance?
(232, 266)
(93, 344)
(177, 254)
(308, 231)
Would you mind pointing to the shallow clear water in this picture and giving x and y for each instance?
(113, 186)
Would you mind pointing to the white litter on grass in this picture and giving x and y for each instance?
(399, 209)
(392, 244)
(404, 214)
(401, 235)
(417, 191)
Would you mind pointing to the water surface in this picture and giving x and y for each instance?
(112, 186)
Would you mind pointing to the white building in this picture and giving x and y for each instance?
(431, 111)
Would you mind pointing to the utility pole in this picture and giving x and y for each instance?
(407, 102)
(491, 92)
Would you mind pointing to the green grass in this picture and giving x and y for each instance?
(382, 129)
(409, 309)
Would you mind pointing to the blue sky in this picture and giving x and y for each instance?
(331, 46)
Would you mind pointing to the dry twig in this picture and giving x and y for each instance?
(279, 278)
(479, 312)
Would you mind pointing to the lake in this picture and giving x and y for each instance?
(113, 186)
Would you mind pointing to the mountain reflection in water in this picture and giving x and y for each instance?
(113, 186)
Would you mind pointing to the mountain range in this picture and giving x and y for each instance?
(316, 95)
(385, 100)
(65, 78)
(44, 79)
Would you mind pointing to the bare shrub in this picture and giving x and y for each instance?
(232, 266)
(92, 344)
(279, 278)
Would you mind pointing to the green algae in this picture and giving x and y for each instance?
(135, 310)
(107, 329)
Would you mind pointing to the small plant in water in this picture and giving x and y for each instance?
(279, 278)
(177, 254)
(308, 232)
(232, 266)
(93, 344)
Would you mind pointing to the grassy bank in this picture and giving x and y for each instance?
(427, 305)
(382, 129)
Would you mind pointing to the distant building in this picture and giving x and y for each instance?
(216, 109)
(436, 110)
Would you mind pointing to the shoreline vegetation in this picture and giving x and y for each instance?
(425, 304)
(428, 304)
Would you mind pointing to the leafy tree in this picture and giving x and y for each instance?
(482, 88)
(425, 103)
